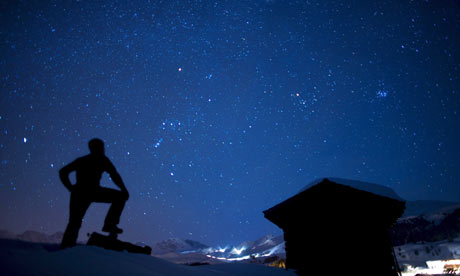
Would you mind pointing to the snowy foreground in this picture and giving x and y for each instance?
(23, 258)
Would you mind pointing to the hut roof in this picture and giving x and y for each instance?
(343, 199)
(360, 185)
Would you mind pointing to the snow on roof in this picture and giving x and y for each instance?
(360, 185)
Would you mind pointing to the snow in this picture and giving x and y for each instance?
(30, 259)
(419, 258)
(360, 185)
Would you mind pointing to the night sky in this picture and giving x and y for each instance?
(213, 111)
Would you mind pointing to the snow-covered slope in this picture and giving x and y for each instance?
(443, 224)
(176, 245)
(30, 259)
(417, 254)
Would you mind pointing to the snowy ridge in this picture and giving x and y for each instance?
(177, 245)
(436, 226)
(33, 236)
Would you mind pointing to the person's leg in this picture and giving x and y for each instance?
(78, 206)
(118, 200)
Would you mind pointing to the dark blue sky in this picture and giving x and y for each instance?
(215, 111)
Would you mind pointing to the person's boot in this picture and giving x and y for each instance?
(112, 229)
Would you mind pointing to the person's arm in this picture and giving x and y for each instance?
(64, 175)
(116, 178)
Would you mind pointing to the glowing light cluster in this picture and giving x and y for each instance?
(237, 251)
(435, 267)
(242, 258)
(222, 250)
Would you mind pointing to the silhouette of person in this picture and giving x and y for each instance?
(87, 189)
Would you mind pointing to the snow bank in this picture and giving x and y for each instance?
(30, 259)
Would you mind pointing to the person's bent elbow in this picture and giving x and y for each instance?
(125, 195)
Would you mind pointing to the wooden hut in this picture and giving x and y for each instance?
(337, 226)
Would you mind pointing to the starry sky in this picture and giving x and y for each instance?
(213, 111)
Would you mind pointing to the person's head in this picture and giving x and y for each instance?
(96, 146)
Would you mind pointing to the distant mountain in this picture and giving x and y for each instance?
(33, 236)
(176, 245)
(419, 207)
(182, 251)
(442, 224)
(266, 246)
(5, 234)
(195, 244)
(188, 252)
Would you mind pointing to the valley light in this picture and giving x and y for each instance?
(238, 251)
(437, 267)
(247, 257)
(221, 250)
(444, 266)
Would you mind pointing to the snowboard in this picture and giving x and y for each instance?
(112, 242)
